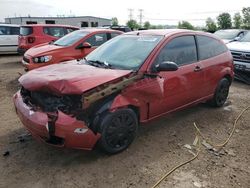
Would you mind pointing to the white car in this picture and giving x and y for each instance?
(241, 55)
(9, 38)
(229, 35)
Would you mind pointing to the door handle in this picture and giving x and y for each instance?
(197, 69)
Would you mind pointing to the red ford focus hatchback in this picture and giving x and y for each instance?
(130, 79)
(75, 45)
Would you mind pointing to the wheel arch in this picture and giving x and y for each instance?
(229, 78)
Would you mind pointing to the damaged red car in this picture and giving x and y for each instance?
(131, 79)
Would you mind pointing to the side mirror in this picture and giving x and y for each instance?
(83, 45)
(166, 66)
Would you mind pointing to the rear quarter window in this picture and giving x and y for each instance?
(54, 31)
(209, 47)
(24, 31)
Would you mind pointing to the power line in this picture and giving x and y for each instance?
(130, 15)
(169, 19)
(140, 16)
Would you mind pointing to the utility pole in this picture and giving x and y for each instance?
(130, 15)
(140, 16)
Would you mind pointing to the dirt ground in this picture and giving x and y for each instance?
(158, 147)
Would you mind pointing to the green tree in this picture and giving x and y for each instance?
(133, 24)
(114, 21)
(224, 21)
(185, 25)
(147, 25)
(210, 25)
(246, 17)
(237, 20)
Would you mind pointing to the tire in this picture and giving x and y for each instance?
(118, 130)
(221, 93)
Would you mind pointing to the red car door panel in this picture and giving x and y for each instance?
(179, 88)
(182, 86)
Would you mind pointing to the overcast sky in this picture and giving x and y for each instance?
(156, 11)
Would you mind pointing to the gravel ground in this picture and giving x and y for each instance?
(158, 147)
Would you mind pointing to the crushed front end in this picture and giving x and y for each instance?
(56, 120)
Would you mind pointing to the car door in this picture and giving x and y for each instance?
(184, 86)
(14, 31)
(8, 39)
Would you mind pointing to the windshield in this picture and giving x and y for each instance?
(71, 38)
(246, 38)
(227, 34)
(125, 51)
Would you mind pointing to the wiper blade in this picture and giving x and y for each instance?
(102, 63)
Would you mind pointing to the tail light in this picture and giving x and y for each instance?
(31, 39)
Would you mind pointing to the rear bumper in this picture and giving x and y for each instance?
(71, 132)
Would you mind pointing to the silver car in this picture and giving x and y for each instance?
(241, 54)
(229, 35)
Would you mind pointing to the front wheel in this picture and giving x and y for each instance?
(221, 93)
(118, 130)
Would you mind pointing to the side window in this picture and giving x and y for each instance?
(181, 50)
(209, 47)
(241, 34)
(14, 30)
(54, 31)
(114, 35)
(4, 30)
(97, 39)
(69, 30)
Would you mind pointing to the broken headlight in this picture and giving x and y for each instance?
(69, 104)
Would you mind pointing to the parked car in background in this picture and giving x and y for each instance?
(122, 28)
(132, 78)
(34, 34)
(229, 35)
(9, 38)
(241, 54)
(75, 45)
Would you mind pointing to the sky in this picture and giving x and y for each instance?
(164, 12)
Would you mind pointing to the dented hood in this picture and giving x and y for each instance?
(42, 49)
(69, 78)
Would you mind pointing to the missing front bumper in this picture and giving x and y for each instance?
(66, 128)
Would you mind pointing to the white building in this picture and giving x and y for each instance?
(79, 21)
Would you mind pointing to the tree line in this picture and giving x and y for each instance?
(240, 20)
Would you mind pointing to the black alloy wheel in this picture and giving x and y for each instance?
(118, 130)
(221, 93)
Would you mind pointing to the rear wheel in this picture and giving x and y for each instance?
(221, 93)
(118, 130)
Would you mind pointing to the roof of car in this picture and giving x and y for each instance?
(10, 25)
(49, 25)
(161, 32)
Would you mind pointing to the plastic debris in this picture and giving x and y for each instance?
(188, 146)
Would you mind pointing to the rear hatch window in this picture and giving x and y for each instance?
(24, 31)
